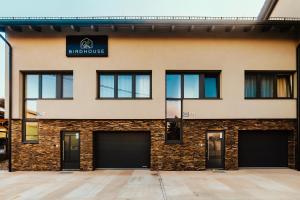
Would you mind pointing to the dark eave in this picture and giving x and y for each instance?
(150, 24)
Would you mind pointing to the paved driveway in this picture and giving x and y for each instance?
(150, 185)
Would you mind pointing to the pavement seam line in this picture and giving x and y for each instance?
(162, 186)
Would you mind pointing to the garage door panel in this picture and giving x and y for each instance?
(263, 149)
(122, 150)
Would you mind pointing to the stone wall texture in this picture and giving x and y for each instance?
(4, 165)
(190, 155)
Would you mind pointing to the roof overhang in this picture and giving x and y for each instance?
(155, 24)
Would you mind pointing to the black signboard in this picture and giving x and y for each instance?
(87, 46)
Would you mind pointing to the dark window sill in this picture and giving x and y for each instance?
(30, 142)
(202, 98)
(270, 98)
(173, 142)
(123, 98)
(49, 99)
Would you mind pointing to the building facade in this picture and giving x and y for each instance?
(89, 99)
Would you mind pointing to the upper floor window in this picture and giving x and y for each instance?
(193, 85)
(268, 84)
(124, 85)
(53, 85)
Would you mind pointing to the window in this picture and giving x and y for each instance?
(48, 86)
(38, 86)
(67, 82)
(268, 84)
(193, 85)
(186, 85)
(124, 85)
(211, 86)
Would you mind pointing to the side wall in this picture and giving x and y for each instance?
(187, 156)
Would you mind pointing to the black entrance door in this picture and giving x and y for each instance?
(215, 149)
(122, 149)
(263, 149)
(70, 150)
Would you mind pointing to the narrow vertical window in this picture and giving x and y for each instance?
(211, 86)
(267, 86)
(250, 86)
(49, 86)
(107, 86)
(32, 86)
(191, 86)
(173, 86)
(142, 86)
(125, 86)
(283, 86)
(67, 89)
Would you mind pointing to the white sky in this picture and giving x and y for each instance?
(233, 8)
(35, 8)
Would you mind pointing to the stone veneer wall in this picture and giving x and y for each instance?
(187, 156)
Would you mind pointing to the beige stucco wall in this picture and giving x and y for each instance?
(158, 54)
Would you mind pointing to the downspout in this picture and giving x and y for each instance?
(10, 100)
(298, 109)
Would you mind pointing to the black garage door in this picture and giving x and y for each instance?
(263, 149)
(122, 150)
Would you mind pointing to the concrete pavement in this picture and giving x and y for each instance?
(263, 184)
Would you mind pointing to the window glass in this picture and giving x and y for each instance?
(49, 86)
(174, 130)
(173, 108)
(191, 86)
(31, 109)
(267, 83)
(31, 131)
(173, 86)
(142, 87)
(283, 87)
(211, 90)
(250, 86)
(67, 86)
(107, 86)
(32, 86)
(125, 86)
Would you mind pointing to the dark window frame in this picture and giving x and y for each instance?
(59, 82)
(116, 73)
(202, 74)
(289, 74)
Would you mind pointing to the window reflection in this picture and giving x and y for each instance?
(31, 131)
(31, 109)
(191, 86)
(173, 86)
(67, 86)
(107, 86)
(211, 90)
(125, 86)
(32, 86)
(142, 87)
(173, 108)
(173, 130)
(49, 86)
